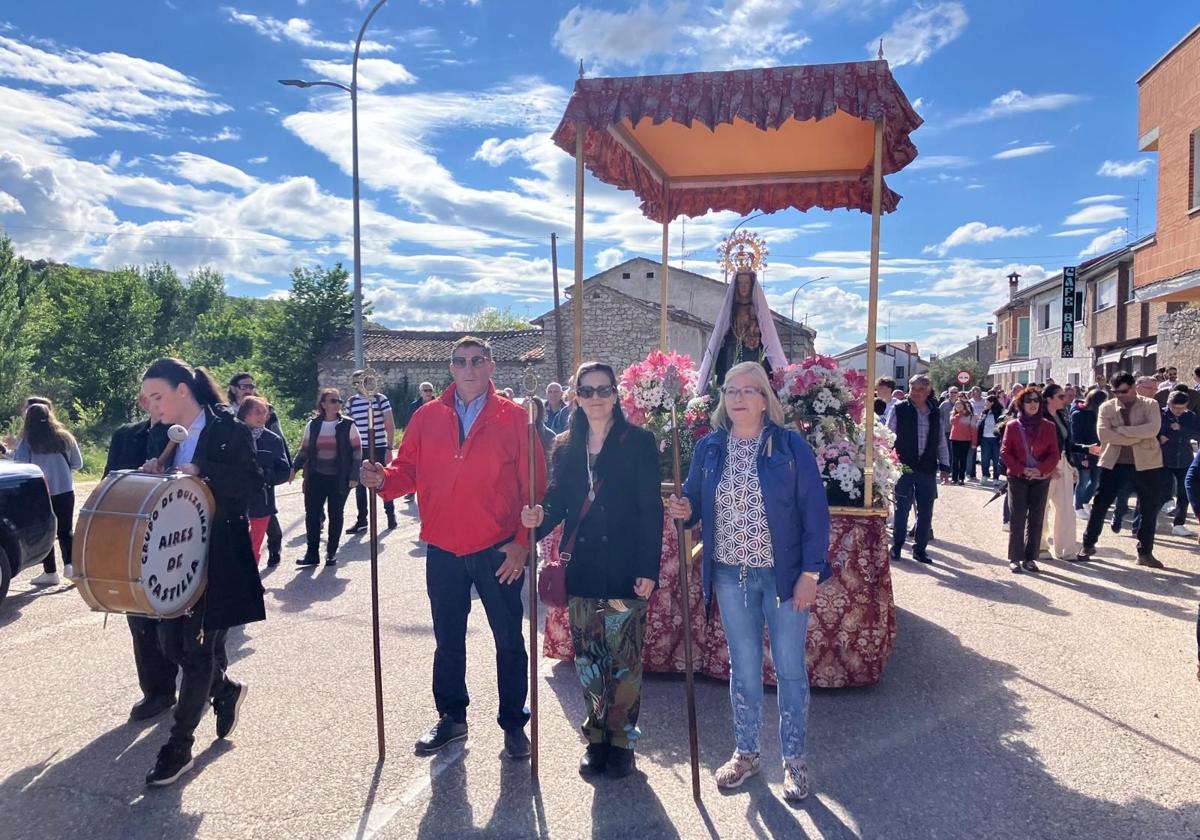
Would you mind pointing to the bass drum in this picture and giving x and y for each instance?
(141, 544)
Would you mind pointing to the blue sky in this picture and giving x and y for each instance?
(147, 130)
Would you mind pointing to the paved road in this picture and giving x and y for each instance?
(1057, 706)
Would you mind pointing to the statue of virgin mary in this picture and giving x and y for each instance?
(744, 331)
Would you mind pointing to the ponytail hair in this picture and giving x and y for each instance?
(198, 380)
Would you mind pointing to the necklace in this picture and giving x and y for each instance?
(587, 459)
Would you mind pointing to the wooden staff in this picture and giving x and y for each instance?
(672, 385)
(531, 413)
(368, 386)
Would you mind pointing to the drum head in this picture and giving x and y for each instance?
(174, 551)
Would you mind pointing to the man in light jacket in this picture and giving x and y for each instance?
(1128, 426)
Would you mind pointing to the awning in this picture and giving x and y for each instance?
(1030, 365)
(744, 140)
(999, 367)
(1152, 350)
(1138, 350)
(1110, 358)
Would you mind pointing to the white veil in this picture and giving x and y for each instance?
(766, 324)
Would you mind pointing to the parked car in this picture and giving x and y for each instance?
(27, 523)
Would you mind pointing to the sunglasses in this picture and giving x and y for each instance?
(1032, 400)
(589, 391)
(334, 400)
(1121, 391)
(474, 361)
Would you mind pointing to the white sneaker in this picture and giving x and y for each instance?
(1181, 531)
(1004, 527)
(1080, 513)
(47, 579)
(68, 571)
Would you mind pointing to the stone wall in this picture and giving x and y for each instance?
(1179, 341)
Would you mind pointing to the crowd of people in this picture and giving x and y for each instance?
(1057, 453)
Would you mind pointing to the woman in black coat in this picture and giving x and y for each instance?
(220, 450)
(614, 545)
(271, 451)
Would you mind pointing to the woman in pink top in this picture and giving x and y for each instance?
(962, 439)
(1030, 453)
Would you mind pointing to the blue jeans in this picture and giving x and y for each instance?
(990, 456)
(743, 613)
(920, 488)
(1089, 480)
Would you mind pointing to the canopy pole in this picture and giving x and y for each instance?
(872, 321)
(577, 303)
(662, 283)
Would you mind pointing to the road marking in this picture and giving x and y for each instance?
(378, 817)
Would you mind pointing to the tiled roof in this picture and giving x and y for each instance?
(520, 346)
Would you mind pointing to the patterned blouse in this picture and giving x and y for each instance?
(743, 538)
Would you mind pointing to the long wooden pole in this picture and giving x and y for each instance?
(531, 414)
(685, 600)
(374, 525)
(577, 303)
(663, 280)
(558, 336)
(872, 319)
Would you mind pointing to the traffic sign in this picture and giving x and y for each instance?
(964, 377)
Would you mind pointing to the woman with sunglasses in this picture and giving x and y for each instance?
(605, 486)
(756, 487)
(330, 454)
(1030, 453)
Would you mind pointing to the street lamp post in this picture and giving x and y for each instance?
(792, 328)
(359, 361)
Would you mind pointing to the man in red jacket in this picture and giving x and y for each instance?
(466, 455)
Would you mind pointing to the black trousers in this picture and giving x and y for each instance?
(274, 538)
(448, 580)
(156, 673)
(63, 505)
(1177, 486)
(321, 491)
(201, 658)
(360, 499)
(1027, 515)
(958, 459)
(1148, 484)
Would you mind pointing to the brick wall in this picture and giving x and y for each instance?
(1169, 100)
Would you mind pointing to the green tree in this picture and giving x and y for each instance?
(943, 373)
(319, 307)
(491, 318)
(170, 294)
(15, 347)
(94, 337)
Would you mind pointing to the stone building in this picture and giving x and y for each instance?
(406, 358)
(621, 317)
(620, 326)
(898, 359)
(982, 351)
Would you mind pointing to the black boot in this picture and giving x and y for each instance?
(620, 762)
(595, 759)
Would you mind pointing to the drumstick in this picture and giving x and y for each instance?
(177, 434)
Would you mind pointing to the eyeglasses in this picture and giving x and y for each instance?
(1120, 392)
(742, 393)
(334, 400)
(589, 391)
(247, 386)
(474, 361)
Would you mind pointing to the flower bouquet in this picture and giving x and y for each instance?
(827, 405)
(647, 399)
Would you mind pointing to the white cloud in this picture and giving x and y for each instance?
(298, 31)
(1096, 214)
(1087, 231)
(1100, 199)
(199, 169)
(1023, 151)
(920, 32)
(609, 257)
(226, 133)
(259, 159)
(373, 73)
(9, 205)
(940, 162)
(1105, 242)
(1126, 169)
(975, 233)
(1018, 102)
(736, 33)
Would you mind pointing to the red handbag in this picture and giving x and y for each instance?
(552, 578)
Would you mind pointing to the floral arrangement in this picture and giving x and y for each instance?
(647, 400)
(826, 404)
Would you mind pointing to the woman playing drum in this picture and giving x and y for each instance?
(220, 450)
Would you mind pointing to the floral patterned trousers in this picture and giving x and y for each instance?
(607, 634)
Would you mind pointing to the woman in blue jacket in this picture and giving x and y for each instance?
(756, 488)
